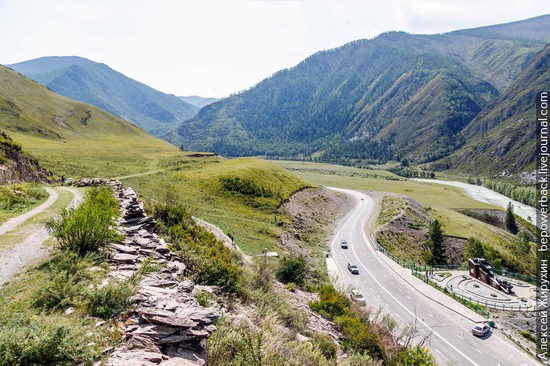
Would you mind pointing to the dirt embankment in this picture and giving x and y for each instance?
(308, 215)
(403, 227)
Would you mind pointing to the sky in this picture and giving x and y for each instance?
(214, 48)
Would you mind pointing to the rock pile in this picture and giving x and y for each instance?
(166, 325)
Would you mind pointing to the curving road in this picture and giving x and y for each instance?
(13, 260)
(450, 338)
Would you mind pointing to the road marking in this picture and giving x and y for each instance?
(397, 315)
(364, 281)
(408, 297)
(460, 337)
(388, 305)
(479, 351)
(441, 354)
(430, 314)
(400, 290)
(378, 296)
(371, 289)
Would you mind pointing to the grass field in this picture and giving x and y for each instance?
(199, 185)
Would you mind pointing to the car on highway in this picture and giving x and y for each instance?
(353, 268)
(343, 244)
(356, 295)
(480, 330)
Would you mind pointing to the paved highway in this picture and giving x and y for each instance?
(450, 339)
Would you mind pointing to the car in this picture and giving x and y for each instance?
(343, 244)
(353, 268)
(480, 330)
(356, 295)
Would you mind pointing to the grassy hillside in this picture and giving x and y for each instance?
(99, 85)
(240, 196)
(72, 138)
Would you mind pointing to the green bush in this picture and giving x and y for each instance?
(234, 346)
(88, 227)
(40, 344)
(19, 196)
(292, 269)
(414, 356)
(331, 303)
(109, 300)
(209, 259)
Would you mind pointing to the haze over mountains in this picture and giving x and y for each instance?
(398, 95)
(97, 84)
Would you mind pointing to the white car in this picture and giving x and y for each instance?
(356, 295)
(480, 330)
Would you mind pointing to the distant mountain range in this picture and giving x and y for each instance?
(97, 84)
(199, 101)
(393, 97)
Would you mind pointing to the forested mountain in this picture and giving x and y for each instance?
(105, 88)
(398, 95)
(199, 101)
(502, 137)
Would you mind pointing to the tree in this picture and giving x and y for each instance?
(510, 222)
(436, 243)
(473, 249)
(522, 241)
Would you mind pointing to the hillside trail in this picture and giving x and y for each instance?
(13, 260)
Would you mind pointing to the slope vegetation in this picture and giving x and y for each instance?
(398, 95)
(99, 85)
(73, 138)
(499, 140)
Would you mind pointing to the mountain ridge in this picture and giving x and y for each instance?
(395, 96)
(98, 84)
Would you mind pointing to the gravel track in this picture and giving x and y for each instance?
(31, 248)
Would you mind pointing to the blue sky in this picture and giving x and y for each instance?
(214, 48)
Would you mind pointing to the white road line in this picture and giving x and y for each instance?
(479, 351)
(441, 354)
(400, 290)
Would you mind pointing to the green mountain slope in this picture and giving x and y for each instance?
(99, 85)
(502, 137)
(74, 138)
(395, 96)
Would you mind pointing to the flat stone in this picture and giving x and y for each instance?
(139, 342)
(165, 317)
(155, 331)
(124, 258)
(123, 248)
(175, 339)
(178, 361)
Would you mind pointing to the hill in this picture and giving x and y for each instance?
(74, 138)
(199, 101)
(398, 95)
(97, 84)
(18, 166)
(499, 141)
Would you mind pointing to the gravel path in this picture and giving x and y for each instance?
(14, 259)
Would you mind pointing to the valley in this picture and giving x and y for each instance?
(213, 232)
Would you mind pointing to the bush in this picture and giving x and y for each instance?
(331, 303)
(17, 196)
(415, 356)
(109, 300)
(40, 344)
(292, 269)
(230, 345)
(88, 227)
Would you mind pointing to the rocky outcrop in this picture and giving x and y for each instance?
(165, 325)
(17, 166)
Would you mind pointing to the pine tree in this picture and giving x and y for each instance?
(510, 222)
(473, 249)
(436, 243)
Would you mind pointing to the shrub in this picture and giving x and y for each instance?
(203, 298)
(40, 344)
(415, 356)
(331, 303)
(292, 269)
(88, 227)
(234, 345)
(109, 300)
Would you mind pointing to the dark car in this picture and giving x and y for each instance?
(353, 268)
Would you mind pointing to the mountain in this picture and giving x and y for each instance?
(70, 137)
(499, 141)
(398, 95)
(199, 101)
(97, 84)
